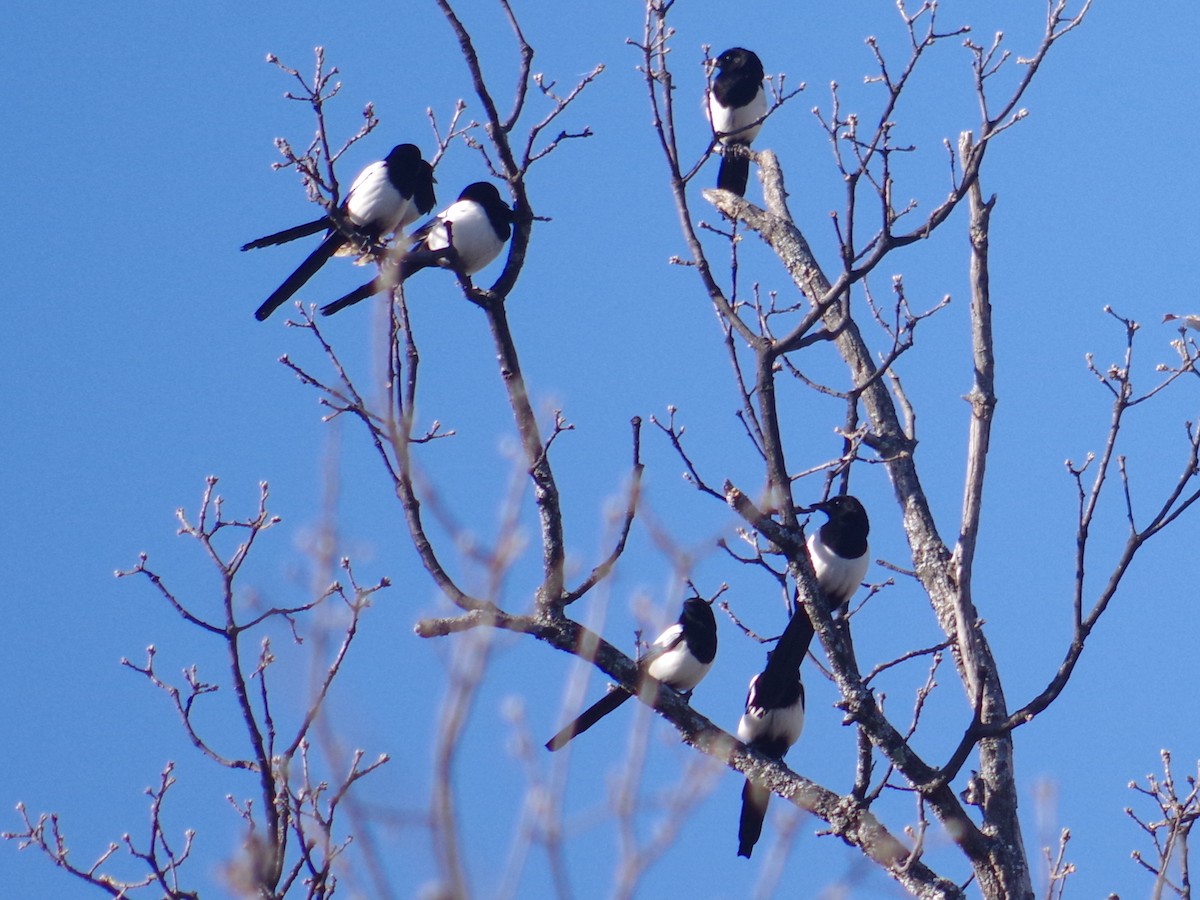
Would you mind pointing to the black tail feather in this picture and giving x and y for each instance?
(362, 292)
(589, 717)
(290, 234)
(413, 261)
(304, 271)
(419, 258)
(754, 810)
(793, 644)
(734, 173)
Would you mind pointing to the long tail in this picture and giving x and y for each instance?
(290, 234)
(412, 262)
(734, 173)
(589, 717)
(795, 641)
(305, 271)
(362, 292)
(754, 810)
(419, 258)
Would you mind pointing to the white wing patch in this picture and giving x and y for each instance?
(677, 666)
(374, 201)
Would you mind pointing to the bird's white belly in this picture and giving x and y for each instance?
(839, 578)
(726, 120)
(471, 232)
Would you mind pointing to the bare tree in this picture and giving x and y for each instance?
(1176, 810)
(291, 843)
(765, 337)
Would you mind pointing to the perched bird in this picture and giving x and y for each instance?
(840, 555)
(387, 196)
(736, 106)
(839, 550)
(475, 227)
(773, 720)
(1190, 321)
(680, 657)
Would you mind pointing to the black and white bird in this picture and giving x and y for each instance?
(737, 104)
(772, 722)
(680, 657)
(840, 555)
(465, 237)
(839, 549)
(387, 196)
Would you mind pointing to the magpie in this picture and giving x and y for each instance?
(839, 549)
(773, 720)
(840, 555)
(475, 227)
(736, 106)
(680, 657)
(387, 196)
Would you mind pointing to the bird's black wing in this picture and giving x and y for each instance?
(665, 642)
(421, 232)
(304, 271)
(290, 234)
(589, 717)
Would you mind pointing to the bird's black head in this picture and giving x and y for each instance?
(846, 511)
(499, 213)
(698, 607)
(485, 194)
(742, 62)
(404, 155)
(412, 176)
(700, 628)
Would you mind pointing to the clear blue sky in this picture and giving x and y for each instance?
(139, 140)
